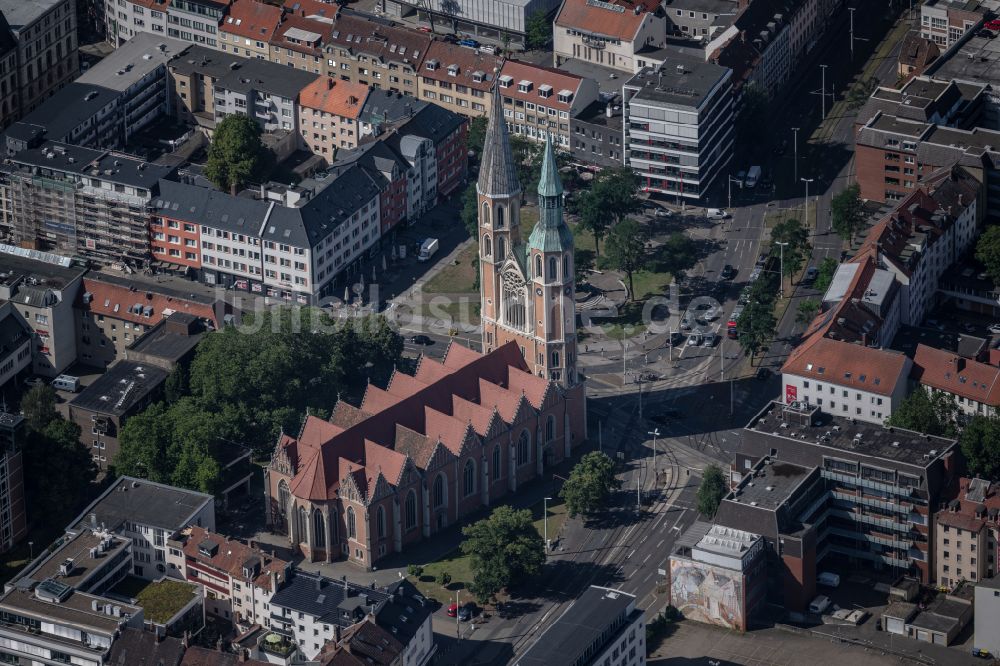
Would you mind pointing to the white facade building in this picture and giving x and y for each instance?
(124, 19)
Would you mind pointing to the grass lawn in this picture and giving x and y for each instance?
(459, 566)
(649, 284)
(456, 278)
(160, 600)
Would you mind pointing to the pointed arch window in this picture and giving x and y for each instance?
(380, 522)
(515, 300)
(302, 523)
(538, 265)
(500, 216)
(496, 462)
(566, 266)
(523, 449)
(550, 428)
(469, 477)
(486, 214)
(487, 245)
(439, 490)
(352, 525)
(319, 528)
(411, 510)
(552, 268)
(283, 496)
(501, 248)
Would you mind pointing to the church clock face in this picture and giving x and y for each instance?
(538, 291)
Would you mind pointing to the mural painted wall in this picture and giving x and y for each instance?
(709, 594)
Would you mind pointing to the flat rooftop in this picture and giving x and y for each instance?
(15, 269)
(20, 13)
(144, 503)
(164, 342)
(896, 125)
(165, 285)
(68, 108)
(133, 60)
(609, 81)
(77, 547)
(672, 87)
(124, 385)
(820, 429)
(977, 60)
(771, 484)
(567, 638)
(77, 610)
(727, 541)
(160, 600)
(908, 337)
(596, 114)
(105, 165)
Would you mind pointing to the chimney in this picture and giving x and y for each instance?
(329, 84)
(743, 36)
(274, 580)
(93, 521)
(608, 110)
(319, 584)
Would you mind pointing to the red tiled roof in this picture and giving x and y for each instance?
(346, 415)
(538, 75)
(341, 98)
(465, 390)
(471, 65)
(430, 370)
(605, 21)
(387, 43)
(316, 9)
(292, 21)
(404, 385)
(945, 371)
(231, 555)
(252, 20)
(114, 300)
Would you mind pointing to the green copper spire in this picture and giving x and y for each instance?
(549, 185)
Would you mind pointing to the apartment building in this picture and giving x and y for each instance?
(699, 19)
(601, 626)
(80, 201)
(101, 409)
(10, 105)
(249, 27)
(298, 42)
(944, 22)
(539, 101)
(679, 127)
(197, 21)
(88, 560)
(113, 311)
(757, 47)
(974, 385)
(44, 32)
(808, 23)
(388, 170)
(209, 85)
(377, 55)
(597, 134)
(49, 620)
(610, 34)
(238, 578)
(315, 610)
(965, 534)
(13, 510)
(328, 115)
(458, 78)
(820, 486)
(147, 513)
(16, 343)
(124, 19)
(43, 293)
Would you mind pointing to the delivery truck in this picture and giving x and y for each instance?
(427, 249)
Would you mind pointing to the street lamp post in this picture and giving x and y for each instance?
(545, 523)
(781, 267)
(823, 90)
(624, 355)
(795, 145)
(807, 181)
(851, 10)
(655, 433)
(729, 186)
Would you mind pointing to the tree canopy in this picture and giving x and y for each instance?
(470, 210)
(236, 155)
(988, 252)
(711, 491)
(755, 326)
(589, 484)
(824, 276)
(626, 250)
(505, 549)
(980, 442)
(807, 310)
(476, 137)
(538, 30)
(928, 412)
(794, 254)
(847, 212)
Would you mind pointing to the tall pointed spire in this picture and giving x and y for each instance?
(497, 171)
(549, 185)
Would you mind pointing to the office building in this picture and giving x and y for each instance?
(13, 510)
(44, 36)
(944, 22)
(196, 21)
(679, 127)
(43, 293)
(103, 407)
(126, 19)
(987, 614)
(596, 134)
(87, 560)
(603, 626)
(147, 513)
(499, 20)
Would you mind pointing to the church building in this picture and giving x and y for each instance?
(459, 434)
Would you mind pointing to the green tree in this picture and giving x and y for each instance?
(537, 30)
(677, 254)
(711, 491)
(980, 441)
(616, 192)
(807, 310)
(988, 252)
(470, 211)
(592, 218)
(176, 386)
(797, 250)
(755, 326)
(39, 406)
(928, 412)
(589, 484)
(825, 272)
(236, 155)
(505, 550)
(527, 156)
(847, 212)
(860, 92)
(626, 250)
(477, 135)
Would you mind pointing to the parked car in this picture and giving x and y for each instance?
(465, 612)
(994, 328)
(828, 579)
(716, 214)
(708, 340)
(693, 340)
(819, 604)
(993, 25)
(452, 610)
(662, 213)
(421, 339)
(728, 272)
(811, 273)
(471, 43)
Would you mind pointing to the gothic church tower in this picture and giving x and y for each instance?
(528, 292)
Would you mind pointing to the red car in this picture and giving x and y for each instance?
(453, 610)
(993, 25)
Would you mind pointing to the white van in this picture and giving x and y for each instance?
(716, 214)
(66, 383)
(819, 604)
(828, 579)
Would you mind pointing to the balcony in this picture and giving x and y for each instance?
(594, 43)
(278, 645)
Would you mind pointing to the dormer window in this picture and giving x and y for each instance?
(524, 86)
(505, 81)
(565, 96)
(478, 76)
(452, 70)
(431, 65)
(545, 91)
